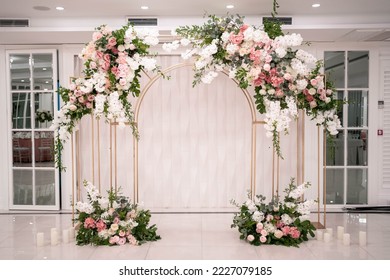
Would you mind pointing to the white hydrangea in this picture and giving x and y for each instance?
(270, 228)
(258, 216)
(169, 47)
(301, 84)
(231, 48)
(148, 63)
(286, 219)
(298, 191)
(84, 207)
(306, 57)
(300, 67)
(209, 77)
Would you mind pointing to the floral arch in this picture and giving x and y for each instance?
(285, 79)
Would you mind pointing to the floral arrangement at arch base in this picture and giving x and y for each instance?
(281, 223)
(112, 221)
(113, 63)
(284, 77)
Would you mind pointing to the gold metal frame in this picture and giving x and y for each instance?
(136, 115)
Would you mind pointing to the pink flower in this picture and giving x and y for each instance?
(88, 105)
(96, 36)
(263, 232)
(114, 239)
(313, 82)
(100, 225)
(250, 238)
(279, 224)
(91, 97)
(111, 211)
(121, 241)
(269, 218)
(279, 93)
(313, 104)
(278, 234)
(132, 47)
(81, 99)
(263, 239)
(287, 76)
(260, 226)
(236, 38)
(286, 230)
(89, 223)
(99, 54)
(122, 82)
(267, 67)
(111, 42)
(132, 239)
(122, 233)
(116, 220)
(294, 233)
(244, 27)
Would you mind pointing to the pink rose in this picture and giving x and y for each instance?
(121, 241)
(88, 105)
(313, 82)
(260, 226)
(132, 239)
(96, 36)
(114, 239)
(91, 97)
(81, 99)
(122, 233)
(267, 67)
(72, 99)
(72, 86)
(263, 232)
(111, 42)
(122, 82)
(313, 104)
(263, 239)
(279, 93)
(279, 224)
(287, 76)
(236, 38)
(269, 218)
(107, 57)
(116, 220)
(294, 233)
(250, 238)
(99, 54)
(309, 98)
(244, 27)
(258, 230)
(278, 234)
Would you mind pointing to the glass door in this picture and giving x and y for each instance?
(347, 153)
(32, 80)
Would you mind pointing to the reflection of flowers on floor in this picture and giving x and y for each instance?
(280, 223)
(112, 221)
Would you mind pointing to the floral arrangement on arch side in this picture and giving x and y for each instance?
(281, 223)
(281, 74)
(112, 221)
(113, 63)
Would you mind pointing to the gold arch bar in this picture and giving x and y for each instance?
(98, 143)
(136, 114)
(93, 148)
(72, 151)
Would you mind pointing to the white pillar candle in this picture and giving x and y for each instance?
(65, 236)
(327, 237)
(362, 238)
(346, 239)
(40, 239)
(71, 233)
(330, 231)
(54, 237)
(340, 232)
(320, 235)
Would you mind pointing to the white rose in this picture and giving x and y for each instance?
(312, 91)
(250, 238)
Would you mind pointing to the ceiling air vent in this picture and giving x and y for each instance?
(143, 21)
(9, 22)
(283, 20)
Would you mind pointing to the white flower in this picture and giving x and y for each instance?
(301, 84)
(258, 216)
(104, 234)
(209, 77)
(286, 219)
(148, 63)
(270, 228)
(231, 48)
(225, 37)
(281, 52)
(185, 42)
(250, 238)
(169, 47)
(84, 207)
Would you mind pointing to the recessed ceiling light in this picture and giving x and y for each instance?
(60, 8)
(144, 7)
(316, 5)
(22, 81)
(229, 6)
(46, 82)
(44, 68)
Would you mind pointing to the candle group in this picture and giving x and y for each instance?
(340, 232)
(67, 235)
(362, 238)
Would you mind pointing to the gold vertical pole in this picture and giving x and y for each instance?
(93, 148)
(78, 166)
(273, 172)
(324, 178)
(299, 160)
(116, 160)
(277, 175)
(110, 148)
(135, 157)
(253, 162)
(98, 143)
(318, 174)
(303, 146)
(72, 151)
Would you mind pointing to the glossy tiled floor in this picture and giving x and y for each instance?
(193, 236)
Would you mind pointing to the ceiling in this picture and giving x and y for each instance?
(334, 20)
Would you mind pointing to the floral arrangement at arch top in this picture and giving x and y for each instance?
(112, 221)
(113, 63)
(284, 77)
(281, 223)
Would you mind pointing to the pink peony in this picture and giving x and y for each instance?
(111, 43)
(294, 233)
(244, 27)
(100, 225)
(132, 240)
(116, 220)
(89, 223)
(286, 230)
(263, 239)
